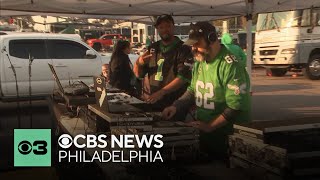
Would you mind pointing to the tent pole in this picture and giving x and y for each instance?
(155, 34)
(155, 37)
(249, 40)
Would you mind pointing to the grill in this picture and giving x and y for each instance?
(269, 59)
(268, 52)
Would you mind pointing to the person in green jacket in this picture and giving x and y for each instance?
(219, 89)
(226, 40)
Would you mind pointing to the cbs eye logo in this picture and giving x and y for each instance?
(65, 141)
(38, 147)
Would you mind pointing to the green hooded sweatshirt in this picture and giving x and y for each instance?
(226, 40)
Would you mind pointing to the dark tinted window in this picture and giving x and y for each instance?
(107, 37)
(22, 48)
(65, 49)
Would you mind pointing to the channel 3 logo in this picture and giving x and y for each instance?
(25, 147)
(32, 147)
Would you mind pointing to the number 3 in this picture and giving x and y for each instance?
(202, 100)
(41, 147)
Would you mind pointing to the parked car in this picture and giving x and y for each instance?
(105, 41)
(72, 59)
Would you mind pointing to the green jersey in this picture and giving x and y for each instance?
(219, 84)
(216, 85)
(169, 62)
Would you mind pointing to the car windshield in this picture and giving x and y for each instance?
(279, 20)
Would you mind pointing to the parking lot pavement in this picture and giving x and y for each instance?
(9, 116)
(288, 97)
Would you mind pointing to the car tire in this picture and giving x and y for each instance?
(312, 69)
(278, 72)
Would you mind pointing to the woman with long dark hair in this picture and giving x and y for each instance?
(120, 72)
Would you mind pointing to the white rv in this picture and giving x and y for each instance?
(289, 40)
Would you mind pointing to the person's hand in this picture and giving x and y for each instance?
(169, 112)
(205, 127)
(145, 57)
(153, 98)
(144, 97)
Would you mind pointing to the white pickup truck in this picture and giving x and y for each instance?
(72, 59)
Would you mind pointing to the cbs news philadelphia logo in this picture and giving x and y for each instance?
(32, 147)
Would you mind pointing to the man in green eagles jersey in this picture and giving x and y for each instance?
(219, 88)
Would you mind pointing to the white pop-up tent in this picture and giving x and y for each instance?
(145, 10)
(154, 7)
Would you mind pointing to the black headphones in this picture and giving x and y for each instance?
(212, 37)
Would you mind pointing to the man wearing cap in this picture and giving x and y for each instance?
(168, 64)
(219, 88)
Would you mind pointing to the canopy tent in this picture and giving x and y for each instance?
(138, 19)
(141, 10)
(146, 10)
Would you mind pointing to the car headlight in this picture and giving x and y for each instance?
(288, 51)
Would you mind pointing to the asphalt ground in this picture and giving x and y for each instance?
(282, 98)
